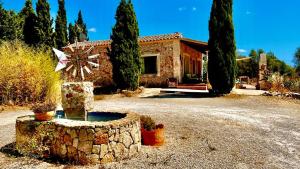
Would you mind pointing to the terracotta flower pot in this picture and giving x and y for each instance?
(44, 116)
(154, 137)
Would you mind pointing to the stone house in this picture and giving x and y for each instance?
(164, 56)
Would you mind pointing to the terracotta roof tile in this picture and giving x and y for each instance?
(141, 39)
(160, 37)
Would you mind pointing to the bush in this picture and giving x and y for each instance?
(43, 107)
(276, 81)
(147, 123)
(292, 84)
(27, 74)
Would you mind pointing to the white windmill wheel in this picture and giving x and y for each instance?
(79, 61)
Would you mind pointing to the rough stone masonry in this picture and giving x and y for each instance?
(77, 99)
(80, 142)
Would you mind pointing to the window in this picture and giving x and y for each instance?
(150, 65)
(186, 64)
(194, 67)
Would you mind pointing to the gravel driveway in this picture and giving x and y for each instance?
(229, 132)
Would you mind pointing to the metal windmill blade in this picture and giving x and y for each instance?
(69, 68)
(79, 61)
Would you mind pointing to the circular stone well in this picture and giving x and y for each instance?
(81, 142)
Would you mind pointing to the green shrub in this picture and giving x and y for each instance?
(43, 107)
(276, 81)
(27, 74)
(147, 123)
(292, 84)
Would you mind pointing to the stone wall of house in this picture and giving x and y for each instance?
(80, 142)
(192, 52)
(165, 49)
(177, 60)
(101, 76)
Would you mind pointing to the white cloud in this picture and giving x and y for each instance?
(242, 51)
(183, 8)
(92, 30)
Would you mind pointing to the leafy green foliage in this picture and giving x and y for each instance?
(43, 107)
(61, 34)
(147, 123)
(10, 25)
(222, 56)
(247, 68)
(80, 28)
(250, 66)
(44, 23)
(30, 21)
(72, 33)
(276, 65)
(292, 84)
(27, 75)
(125, 51)
(297, 61)
(277, 82)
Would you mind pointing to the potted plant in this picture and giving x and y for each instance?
(152, 134)
(44, 111)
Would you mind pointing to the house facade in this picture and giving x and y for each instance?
(163, 56)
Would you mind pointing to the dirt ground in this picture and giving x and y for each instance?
(235, 131)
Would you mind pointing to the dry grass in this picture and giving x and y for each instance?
(27, 74)
(124, 93)
(234, 96)
(107, 96)
(128, 93)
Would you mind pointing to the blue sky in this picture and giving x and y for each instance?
(268, 24)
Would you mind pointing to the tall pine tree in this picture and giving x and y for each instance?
(44, 23)
(125, 51)
(61, 33)
(72, 33)
(222, 49)
(80, 28)
(29, 28)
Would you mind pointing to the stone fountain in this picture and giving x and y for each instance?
(76, 139)
(77, 99)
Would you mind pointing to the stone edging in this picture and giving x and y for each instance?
(80, 142)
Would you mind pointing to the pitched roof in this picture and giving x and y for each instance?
(141, 39)
(160, 37)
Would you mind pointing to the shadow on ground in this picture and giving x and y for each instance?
(181, 95)
(10, 150)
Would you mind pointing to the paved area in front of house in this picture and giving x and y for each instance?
(227, 132)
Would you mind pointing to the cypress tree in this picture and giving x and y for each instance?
(80, 28)
(222, 49)
(3, 20)
(297, 61)
(9, 24)
(44, 23)
(61, 25)
(125, 51)
(29, 28)
(72, 33)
